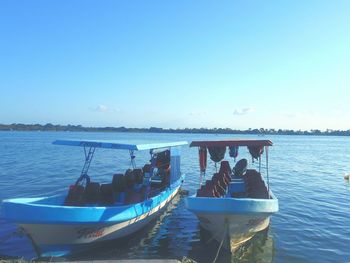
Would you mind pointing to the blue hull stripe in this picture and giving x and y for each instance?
(35, 211)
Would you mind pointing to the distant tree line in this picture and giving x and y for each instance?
(73, 128)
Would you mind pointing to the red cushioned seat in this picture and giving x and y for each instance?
(225, 167)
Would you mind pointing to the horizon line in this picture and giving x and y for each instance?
(77, 127)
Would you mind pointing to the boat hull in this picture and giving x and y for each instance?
(232, 230)
(232, 221)
(63, 239)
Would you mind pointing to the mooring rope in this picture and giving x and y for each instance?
(222, 242)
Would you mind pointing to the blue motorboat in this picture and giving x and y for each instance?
(92, 212)
(236, 203)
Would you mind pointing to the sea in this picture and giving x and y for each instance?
(306, 173)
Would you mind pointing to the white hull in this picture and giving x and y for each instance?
(236, 229)
(56, 239)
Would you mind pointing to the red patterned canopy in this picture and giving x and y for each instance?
(236, 142)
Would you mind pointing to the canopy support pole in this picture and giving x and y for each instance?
(267, 168)
(132, 158)
(201, 178)
(88, 158)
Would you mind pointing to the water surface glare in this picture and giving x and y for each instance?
(306, 175)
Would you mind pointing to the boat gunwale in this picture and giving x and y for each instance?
(232, 206)
(81, 214)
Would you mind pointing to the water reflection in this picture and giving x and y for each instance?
(159, 239)
(176, 233)
(259, 249)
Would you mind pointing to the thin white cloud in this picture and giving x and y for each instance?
(302, 114)
(103, 108)
(290, 115)
(243, 111)
(197, 114)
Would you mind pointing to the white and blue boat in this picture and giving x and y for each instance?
(235, 203)
(92, 212)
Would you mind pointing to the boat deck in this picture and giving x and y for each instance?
(223, 184)
(135, 186)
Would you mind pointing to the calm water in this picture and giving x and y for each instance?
(306, 174)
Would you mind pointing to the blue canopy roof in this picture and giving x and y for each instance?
(117, 145)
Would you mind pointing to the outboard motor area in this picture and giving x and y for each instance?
(162, 159)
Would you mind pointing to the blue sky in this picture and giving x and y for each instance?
(236, 64)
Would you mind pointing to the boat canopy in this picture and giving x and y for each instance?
(111, 144)
(236, 142)
(217, 150)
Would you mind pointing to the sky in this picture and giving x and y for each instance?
(176, 64)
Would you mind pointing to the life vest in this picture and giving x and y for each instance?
(256, 151)
(233, 151)
(203, 158)
(217, 153)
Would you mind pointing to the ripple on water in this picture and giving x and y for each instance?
(306, 174)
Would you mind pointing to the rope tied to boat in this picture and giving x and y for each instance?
(225, 235)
